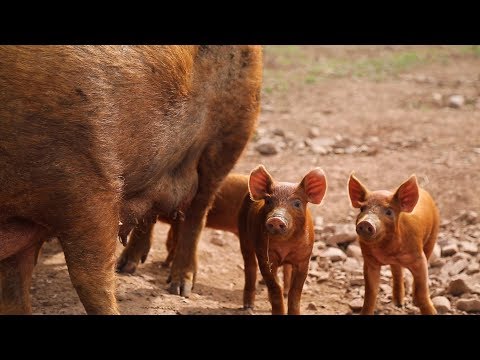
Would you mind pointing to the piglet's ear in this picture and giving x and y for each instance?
(356, 191)
(314, 184)
(260, 183)
(407, 194)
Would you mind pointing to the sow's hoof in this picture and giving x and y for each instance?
(124, 265)
(183, 288)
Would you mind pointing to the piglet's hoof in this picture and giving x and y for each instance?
(183, 288)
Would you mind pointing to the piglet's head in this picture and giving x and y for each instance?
(379, 210)
(285, 204)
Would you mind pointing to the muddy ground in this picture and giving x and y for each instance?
(385, 112)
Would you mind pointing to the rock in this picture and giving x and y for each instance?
(449, 250)
(314, 132)
(458, 287)
(312, 306)
(387, 289)
(321, 150)
(333, 254)
(460, 256)
(442, 304)
(468, 217)
(342, 238)
(468, 305)
(437, 99)
(278, 132)
(354, 251)
(469, 247)
(318, 221)
(356, 304)
(458, 267)
(351, 264)
(321, 276)
(473, 268)
(267, 147)
(435, 256)
(218, 239)
(357, 281)
(456, 101)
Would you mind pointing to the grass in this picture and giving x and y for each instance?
(289, 64)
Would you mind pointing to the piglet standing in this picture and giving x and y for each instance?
(276, 228)
(399, 229)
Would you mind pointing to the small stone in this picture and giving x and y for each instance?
(314, 132)
(354, 251)
(267, 147)
(278, 132)
(469, 217)
(437, 99)
(356, 305)
(461, 256)
(312, 306)
(442, 304)
(436, 254)
(351, 264)
(387, 289)
(473, 268)
(342, 238)
(456, 101)
(319, 275)
(458, 267)
(318, 221)
(469, 247)
(357, 281)
(458, 287)
(333, 254)
(468, 305)
(218, 239)
(449, 250)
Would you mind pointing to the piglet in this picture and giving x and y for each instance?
(397, 228)
(276, 228)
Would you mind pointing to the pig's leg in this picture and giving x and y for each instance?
(371, 273)
(250, 265)
(215, 163)
(299, 275)
(89, 249)
(171, 244)
(275, 295)
(287, 278)
(15, 278)
(398, 294)
(421, 293)
(137, 248)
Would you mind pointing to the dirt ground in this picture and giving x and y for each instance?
(390, 113)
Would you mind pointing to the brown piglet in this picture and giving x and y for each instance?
(276, 228)
(397, 228)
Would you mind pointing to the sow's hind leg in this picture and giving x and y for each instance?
(232, 116)
(20, 242)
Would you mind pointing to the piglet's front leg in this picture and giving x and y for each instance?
(275, 295)
(299, 274)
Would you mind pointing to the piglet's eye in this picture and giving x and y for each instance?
(389, 212)
(362, 209)
(297, 204)
(268, 201)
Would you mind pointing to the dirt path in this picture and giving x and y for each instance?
(381, 111)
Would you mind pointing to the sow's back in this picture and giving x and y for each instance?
(95, 139)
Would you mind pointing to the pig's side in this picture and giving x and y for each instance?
(222, 215)
(397, 228)
(97, 136)
(276, 228)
